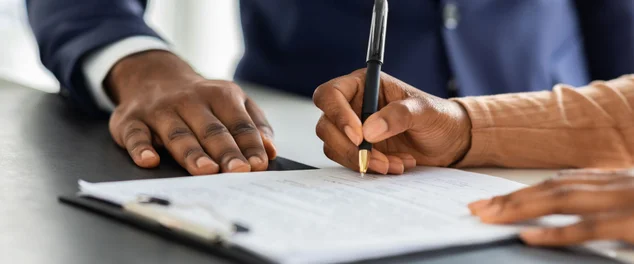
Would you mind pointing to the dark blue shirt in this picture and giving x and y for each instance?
(484, 46)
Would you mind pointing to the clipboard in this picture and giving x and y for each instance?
(180, 235)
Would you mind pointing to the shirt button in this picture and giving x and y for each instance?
(451, 16)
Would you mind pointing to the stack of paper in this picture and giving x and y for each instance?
(333, 215)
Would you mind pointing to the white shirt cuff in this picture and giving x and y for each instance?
(98, 64)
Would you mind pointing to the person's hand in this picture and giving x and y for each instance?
(604, 199)
(207, 126)
(410, 128)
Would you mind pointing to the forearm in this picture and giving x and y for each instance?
(566, 127)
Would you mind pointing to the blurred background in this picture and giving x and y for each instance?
(205, 32)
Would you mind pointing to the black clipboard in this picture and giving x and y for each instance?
(116, 212)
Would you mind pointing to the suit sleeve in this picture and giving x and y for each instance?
(607, 28)
(68, 30)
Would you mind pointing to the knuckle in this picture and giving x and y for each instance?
(563, 192)
(229, 154)
(138, 144)
(320, 128)
(321, 93)
(227, 88)
(213, 130)
(329, 153)
(178, 133)
(242, 127)
(192, 152)
(253, 151)
(134, 132)
(549, 184)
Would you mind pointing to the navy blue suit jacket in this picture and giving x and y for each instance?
(486, 46)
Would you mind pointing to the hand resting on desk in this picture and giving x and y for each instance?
(207, 126)
(605, 199)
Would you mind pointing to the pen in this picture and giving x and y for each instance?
(374, 60)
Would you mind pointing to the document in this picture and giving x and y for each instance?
(334, 215)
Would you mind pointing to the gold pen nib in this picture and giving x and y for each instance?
(363, 161)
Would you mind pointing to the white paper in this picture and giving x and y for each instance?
(333, 215)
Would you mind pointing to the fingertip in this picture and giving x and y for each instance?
(396, 165)
(374, 128)
(205, 166)
(532, 236)
(258, 164)
(353, 135)
(269, 147)
(148, 159)
(379, 166)
(474, 207)
(237, 165)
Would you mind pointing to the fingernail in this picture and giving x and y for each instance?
(476, 206)
(532, 233)
(204, 162)
(354, 137)
(255, 160)
(147, 154)
(237, 165)
(375, 129)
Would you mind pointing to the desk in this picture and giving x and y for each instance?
(45, 147)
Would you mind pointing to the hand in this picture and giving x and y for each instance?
(411, 127)
(604, 199)
(207, 126)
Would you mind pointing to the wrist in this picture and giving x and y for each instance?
(138, 72)
(465, 126)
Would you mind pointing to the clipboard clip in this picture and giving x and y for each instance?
(157, 209)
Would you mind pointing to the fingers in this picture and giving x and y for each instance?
(135, 137)
(334, 97)
(391, 120)
(181, 142)
(529, 192)
(614, 228)
(347, 152)
(258, 117)
(231, 111)
(215, 138)
(408, 160)
(569, 199)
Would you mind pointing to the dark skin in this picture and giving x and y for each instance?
(208, 126)
(411, 127)
(604, 199)
(414, 128)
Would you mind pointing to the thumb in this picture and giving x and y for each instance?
(391, 120)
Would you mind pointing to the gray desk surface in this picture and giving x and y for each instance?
(45, 147)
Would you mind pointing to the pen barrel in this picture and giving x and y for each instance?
(378, 27)
(371, 95)
(371, 91)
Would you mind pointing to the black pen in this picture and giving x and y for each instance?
(376, 48)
